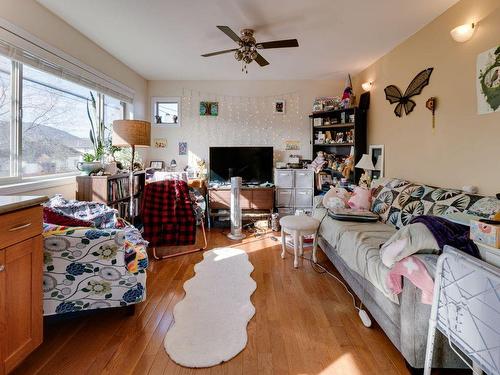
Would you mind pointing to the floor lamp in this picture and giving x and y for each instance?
(131, 133)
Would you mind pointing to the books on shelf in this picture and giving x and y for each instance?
(123, 208)
(119, 188)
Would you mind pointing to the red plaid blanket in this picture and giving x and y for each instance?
(167, 214)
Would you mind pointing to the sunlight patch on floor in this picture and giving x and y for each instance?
(345, 364)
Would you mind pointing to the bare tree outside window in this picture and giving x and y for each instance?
(55, 125)
(55, 130)
(5, 104)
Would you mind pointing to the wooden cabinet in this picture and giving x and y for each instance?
(21, 273)
(253, 200)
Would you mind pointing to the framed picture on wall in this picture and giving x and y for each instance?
(157, 165)
(279, 106)
(376, 153)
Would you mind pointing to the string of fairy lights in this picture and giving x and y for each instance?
(243, 120)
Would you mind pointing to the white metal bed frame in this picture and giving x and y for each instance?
(466, 309)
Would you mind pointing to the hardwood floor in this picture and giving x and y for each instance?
(304, 324)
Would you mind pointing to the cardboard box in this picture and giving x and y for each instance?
(488, 234)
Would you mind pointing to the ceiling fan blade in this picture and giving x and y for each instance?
(230, 33)
(261, 61)
(219, 52)
(278, 44)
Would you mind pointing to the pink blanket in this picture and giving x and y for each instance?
(414, 270)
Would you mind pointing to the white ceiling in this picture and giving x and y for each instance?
(163, 39)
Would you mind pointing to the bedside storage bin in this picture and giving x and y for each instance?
(488, 234)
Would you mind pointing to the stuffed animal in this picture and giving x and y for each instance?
(318, 163)
(336, 198)
(348, 167)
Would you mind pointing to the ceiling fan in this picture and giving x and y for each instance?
(247, 50)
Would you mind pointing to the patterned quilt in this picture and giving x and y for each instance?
(88, 268)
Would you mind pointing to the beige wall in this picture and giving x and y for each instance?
(464, 148)
(256, 125)
(35, 19)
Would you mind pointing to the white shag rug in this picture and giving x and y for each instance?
(211, 321)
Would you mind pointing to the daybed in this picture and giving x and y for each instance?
(354, 250)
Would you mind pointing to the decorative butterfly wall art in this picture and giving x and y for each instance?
(393, 94)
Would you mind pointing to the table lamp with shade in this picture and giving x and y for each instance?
(131, 133)
(365, 163)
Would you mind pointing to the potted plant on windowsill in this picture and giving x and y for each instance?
(89, 164)
(93, 161)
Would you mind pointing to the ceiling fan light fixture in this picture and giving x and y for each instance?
(238, 55)
(254, 54)
(247, 59)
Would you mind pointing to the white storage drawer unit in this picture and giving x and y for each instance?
(303, 197)
(284, 197)
(304, 179)
(283, 178)
(294, 189)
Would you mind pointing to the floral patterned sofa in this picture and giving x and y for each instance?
(89, 268)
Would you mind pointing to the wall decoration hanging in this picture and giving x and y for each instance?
(292, 145)
(183, 148)
(393, 94)
(209, 108)
(376, 153)
(430, 104)
(488, 81)
(279, 106)
(160, 142)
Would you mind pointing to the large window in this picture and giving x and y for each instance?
(56, 127)
(52, 133)
(5, 116)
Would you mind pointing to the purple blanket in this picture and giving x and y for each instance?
(448, 233)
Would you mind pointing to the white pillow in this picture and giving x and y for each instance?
(409, 240)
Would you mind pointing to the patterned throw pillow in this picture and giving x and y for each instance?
(399, 201)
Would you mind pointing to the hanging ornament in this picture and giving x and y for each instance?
(430, 104)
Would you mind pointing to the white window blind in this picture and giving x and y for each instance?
(20, 46)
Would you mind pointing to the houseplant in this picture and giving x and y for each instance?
(93, 161)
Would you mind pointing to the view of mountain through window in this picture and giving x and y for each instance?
(52, 131)
(55, 124)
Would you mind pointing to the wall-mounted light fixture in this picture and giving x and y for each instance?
(367, 86)
(463, 32)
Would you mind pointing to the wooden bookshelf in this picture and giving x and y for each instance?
(113, 191)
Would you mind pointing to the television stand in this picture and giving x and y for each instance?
(256, 202)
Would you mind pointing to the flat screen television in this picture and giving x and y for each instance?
(253, 164)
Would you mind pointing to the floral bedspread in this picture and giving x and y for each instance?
(88, 268)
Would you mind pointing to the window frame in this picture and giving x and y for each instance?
(155, 101)
(16, 120)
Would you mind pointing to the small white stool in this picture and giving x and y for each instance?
(298, 226)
